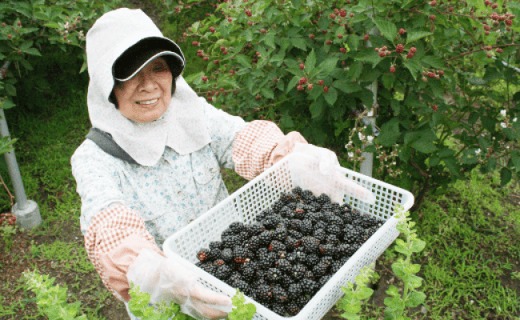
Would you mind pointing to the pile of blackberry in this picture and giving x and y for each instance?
(290, 252)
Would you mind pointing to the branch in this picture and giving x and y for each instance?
(3, 70)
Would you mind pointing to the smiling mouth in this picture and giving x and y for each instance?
(147, 102)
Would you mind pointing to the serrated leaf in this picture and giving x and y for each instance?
(415, 298)
(310, 62)
(299, 43)
(32, 51)
(269, 39)
(389, 134)
(243, 60)
(505, 176)
(346, 86)
(369, 56)
(433, 61)
(332, 96)
(267, 93)
(414, 68)
(292, 83)
(327, 66)
(387, 29)
(416, 35)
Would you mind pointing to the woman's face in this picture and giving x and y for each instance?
(147, 95)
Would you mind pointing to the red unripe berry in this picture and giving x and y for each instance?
(248, 13)
(19, 23)
(212, 29)
(494, 6)
(366, 37)
(206, 58)
(300, 87)
(409, 55)
(382, 54)
(399, 48)
(343, 50)
(9, 36)
(332, 16)
(340, 36)
(263, 31)
(431, 74)
(499, 50)
(328, 42)
(433, 17)
(487, 3)
(195, 43)
(216, 61)
(302, 66)
(4, 24)
(392, 69)
(230, 20)
(435, 108)
(440, 72)
(343, 13)
(413, 49)
(310, 86)
(433, 3)
(204, 78)
(320, 82)
(325, 89)
(303, 80)
(509, 22)
(312, 36)
(402, 31)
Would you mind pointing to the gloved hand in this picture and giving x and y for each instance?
(166, 279)
(317, 169)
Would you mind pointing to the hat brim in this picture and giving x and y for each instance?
(135, 58)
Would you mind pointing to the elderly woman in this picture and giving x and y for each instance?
(151, 162)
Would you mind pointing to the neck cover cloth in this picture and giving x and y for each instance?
(180, 128)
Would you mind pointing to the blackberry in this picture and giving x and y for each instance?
(231, 240)
(323, 199)
(323, 280)
(294, 224)
(301, 301)
(321, 224)
(292, 309)
(327, 249)
(292, 243)
(368, 221)
(321, 269)
(332, 239)
(287, 212)
(266, 237)
(216, 245)
(294, 290)
(280, 233)
(345, 250)
(227, 255)
(265, 259)
(276, 207)
(307, 196)
(296, 257)
(297, 191)
(248, 271)
(353, 234)
(286, 281)
(276, 246)
(273, 275)
(320, 234)
(306, 227)
(253, 243)
(241, 254)
(308, 286)
(263, 292)
(237, 227)
(223, 272)
(242, 286)
(298, 271)
(278, 308)
(283, 265)
(214, 254)
(314, 216)
(207, 266)
(203, 254)
(219, 262)
(334, 219)
(279, 294)
(311, 260)
(287, 197)
(254, 229)
(335, 266)
(270, 222)
(310, 244)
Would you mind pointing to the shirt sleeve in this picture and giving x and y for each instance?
(261, 144)
(97, 180)
(113, 240)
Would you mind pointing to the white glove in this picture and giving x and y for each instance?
(166, 279)
(317, 169)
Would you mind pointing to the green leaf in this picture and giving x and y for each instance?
(433, 61)
(242, 310)
(267, 92)
(346, 86)
(416, 35)
(32, 51)
(422, 141)
(299, 43)
(243, 60)
(331, 96)
(415, 298)
(369, 56)
(327, 66)
(412, 66)
(505, 176)
(354, 71)
(389, 134)
(387, 28)
(310, 62)
(269, 39)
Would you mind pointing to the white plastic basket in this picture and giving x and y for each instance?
(259, 194)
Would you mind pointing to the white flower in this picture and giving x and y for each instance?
(503, 124)
(370, 138)
(361, 136)
(514, 119)
(503, 112)
(351, 154)
(477, 152)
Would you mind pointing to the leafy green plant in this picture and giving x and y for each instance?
(407, 245)
(400, 299)
(242, 310)
(52, 299)
(141, 307)
(438, 76)
(7, 231)
(357, 293)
